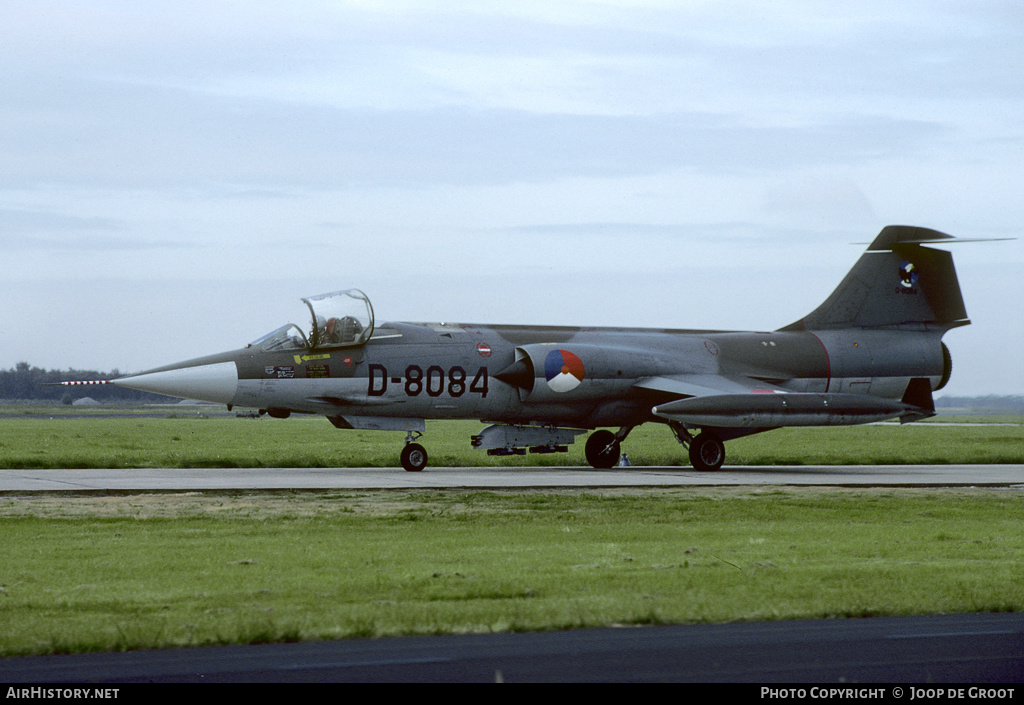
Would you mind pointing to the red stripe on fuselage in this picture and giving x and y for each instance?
(828, 362)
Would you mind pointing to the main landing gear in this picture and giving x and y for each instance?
(603, 448)
(707, 451)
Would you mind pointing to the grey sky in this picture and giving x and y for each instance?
(176, 175)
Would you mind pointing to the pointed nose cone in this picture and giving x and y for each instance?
(216, 382)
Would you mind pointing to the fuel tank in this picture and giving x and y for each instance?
(773, 410)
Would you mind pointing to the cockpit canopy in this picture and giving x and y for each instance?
(339, 319)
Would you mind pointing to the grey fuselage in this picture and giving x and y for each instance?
(871, 351)
(455, 371)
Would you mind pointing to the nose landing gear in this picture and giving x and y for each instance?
(414, 456)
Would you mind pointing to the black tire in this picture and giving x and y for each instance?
(707, 452)
(602, 449)
(414, 457)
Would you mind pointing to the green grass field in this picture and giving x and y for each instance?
(85, 573)
(164, 570)
(187, 439)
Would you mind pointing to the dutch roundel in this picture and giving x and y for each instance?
(563, 370)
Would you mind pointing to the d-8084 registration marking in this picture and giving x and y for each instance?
(434, 381)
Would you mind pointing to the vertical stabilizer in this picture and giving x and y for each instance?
(897, 282)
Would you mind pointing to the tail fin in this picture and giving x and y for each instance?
(896, 282)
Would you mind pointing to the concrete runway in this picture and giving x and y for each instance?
(143, 479)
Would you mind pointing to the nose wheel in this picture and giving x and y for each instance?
(414, 457)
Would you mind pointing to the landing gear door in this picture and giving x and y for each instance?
(340, 319)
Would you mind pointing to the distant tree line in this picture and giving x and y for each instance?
(27, 383)
(994, 403)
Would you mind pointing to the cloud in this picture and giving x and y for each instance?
(124, 135)
(659, 154)
(15, 222)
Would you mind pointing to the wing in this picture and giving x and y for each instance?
(703, 385)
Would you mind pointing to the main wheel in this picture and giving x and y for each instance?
(707, 452)
(602, 449)
(414, 457)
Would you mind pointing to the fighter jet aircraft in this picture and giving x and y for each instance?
(871, 351)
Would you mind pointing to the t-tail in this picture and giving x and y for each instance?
(896, 284)
(898, 300)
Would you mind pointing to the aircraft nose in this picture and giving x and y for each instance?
(215, 382)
